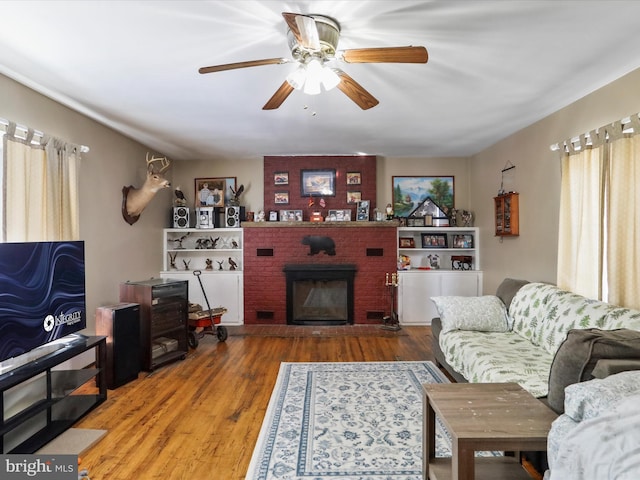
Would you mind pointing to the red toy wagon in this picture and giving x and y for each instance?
(205, 322)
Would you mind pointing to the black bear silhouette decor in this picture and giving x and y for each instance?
(318, 244)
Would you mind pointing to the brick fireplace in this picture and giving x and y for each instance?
(368, 249)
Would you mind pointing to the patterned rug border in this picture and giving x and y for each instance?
(279, 411)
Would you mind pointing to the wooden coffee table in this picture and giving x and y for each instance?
(483, 417)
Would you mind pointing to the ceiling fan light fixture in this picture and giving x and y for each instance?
(330, 78)
(297, 77)
(314, 77)
(312, 86)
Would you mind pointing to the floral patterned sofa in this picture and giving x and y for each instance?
(598, 436)
(515, 335)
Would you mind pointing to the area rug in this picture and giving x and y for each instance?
(355, 421)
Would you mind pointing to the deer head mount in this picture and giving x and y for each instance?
(134, 200)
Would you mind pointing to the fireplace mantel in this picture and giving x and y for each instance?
(384, 223)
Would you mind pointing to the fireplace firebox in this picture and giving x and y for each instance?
(320, 294)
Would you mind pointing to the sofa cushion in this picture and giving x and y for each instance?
(497, 357)
(577, 356)
(484, 314)
(589, 399)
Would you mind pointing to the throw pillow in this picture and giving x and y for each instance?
(589, 399)
(484, 314)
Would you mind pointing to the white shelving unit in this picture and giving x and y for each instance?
(443, 261)
(218, 254)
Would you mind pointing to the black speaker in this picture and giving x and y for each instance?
(180, 217)
(232, 217)
(121, 325)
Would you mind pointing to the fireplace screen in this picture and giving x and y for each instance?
(320, 294)
(320, 300)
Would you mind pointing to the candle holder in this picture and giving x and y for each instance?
(391, 321)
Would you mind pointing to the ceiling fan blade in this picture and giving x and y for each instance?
(386, 55)
(252, 63)
(304, 29)
(355, 91)
(280, 96)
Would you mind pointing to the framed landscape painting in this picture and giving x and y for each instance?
(409, 192)
(318, 183)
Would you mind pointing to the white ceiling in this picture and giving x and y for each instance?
(494, 67)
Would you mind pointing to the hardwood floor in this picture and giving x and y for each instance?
(199, 418)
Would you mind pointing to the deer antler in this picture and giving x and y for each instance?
(165, 163)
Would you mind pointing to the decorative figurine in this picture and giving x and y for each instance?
(179, 241)
(235, 200)
(220, 262)
(209, 263)
(467, 218)
(186, 264)
(232, 265)
(180, 200)
(389, 211)
(172, 260)
(434, 261)
(453, 217)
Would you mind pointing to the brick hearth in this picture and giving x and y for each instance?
(269, 246)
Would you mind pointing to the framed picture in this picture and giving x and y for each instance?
(281, 178)
(409, 192)
(354, 178)
(354, 197)
(362, 211)
(273, 216)
(434, 240)
(338, 216)
(318, 183)
(281, 198)
(290, 215)
(463, 241)
(406, 242)
(210, 192)
(415, 222)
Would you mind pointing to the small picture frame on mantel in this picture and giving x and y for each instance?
(362, 211)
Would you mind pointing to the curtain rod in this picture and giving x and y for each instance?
(559, 146)
(5, 122)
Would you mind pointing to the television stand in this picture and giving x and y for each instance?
(41, 399)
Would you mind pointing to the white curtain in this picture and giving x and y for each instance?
(41, 188)
(580, 235)
(599, 231)
(623, 253)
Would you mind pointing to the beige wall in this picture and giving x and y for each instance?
(533, 255)
(114, 250)
(118, 252)
(248, 172)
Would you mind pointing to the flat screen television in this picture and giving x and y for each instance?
(42, 294)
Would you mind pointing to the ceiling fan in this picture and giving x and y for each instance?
(313, 40)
